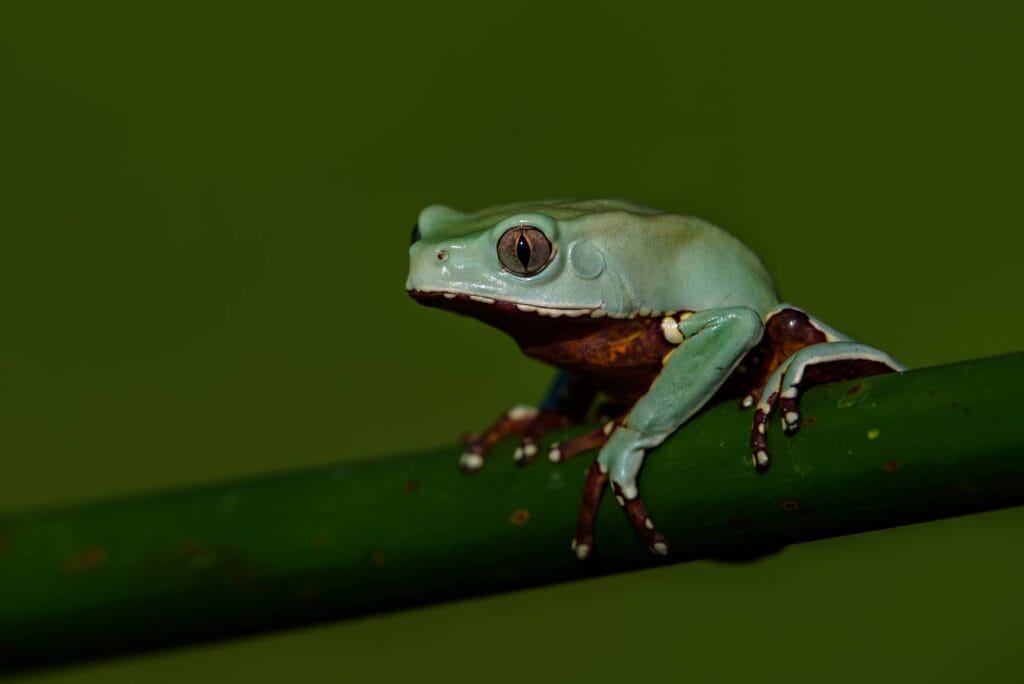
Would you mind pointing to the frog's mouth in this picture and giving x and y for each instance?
(469, 303)
(526, 323)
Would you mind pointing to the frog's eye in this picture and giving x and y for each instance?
(416, 235)
(524, 250)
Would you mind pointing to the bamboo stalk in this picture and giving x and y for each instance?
(349, 539)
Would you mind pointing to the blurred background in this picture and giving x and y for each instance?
(205, 210)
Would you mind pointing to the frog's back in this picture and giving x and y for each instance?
(669, 262)
(446, 221)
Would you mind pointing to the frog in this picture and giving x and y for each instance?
(657, 313)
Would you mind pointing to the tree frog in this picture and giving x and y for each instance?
(656, 312)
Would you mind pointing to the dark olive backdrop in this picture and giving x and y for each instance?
(205, 209)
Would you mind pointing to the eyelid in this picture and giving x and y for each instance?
(542, 222)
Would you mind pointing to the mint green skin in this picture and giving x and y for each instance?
(612, 255)
(617, 259)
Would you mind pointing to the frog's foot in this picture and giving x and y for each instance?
(619, 462)
(636, 511)
(545, 421)
(758, 438)
(511, 423)
(574, 446)
(525, 422)
(816, 364)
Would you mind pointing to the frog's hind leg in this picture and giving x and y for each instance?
(513, 422)
(566, 403)
(560, 452)
(813, 365)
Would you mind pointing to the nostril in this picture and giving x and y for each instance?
(442, 255)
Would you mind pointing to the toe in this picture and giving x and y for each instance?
(637, 513)
(526, 452)
(471, 462)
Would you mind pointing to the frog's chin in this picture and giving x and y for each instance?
(481, 306)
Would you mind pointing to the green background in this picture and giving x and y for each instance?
(204, 212)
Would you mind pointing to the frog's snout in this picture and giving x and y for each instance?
(428, 266)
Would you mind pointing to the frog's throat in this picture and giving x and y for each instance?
(473, 304)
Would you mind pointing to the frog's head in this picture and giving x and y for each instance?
(542, 259)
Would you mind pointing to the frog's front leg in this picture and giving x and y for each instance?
(566, 403)
(813, 365)
(714, 342)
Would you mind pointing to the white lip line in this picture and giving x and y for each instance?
(491, 300)
(553, 311)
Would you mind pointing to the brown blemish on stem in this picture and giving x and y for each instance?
(810, 420)
(795, 506)
(321, 540)
(377, 558)
(5, 543)
(892, 466)
(92, 558)
(519, 517)
(853, 390)
(410, 486)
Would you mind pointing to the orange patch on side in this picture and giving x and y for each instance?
(620, 357)
(622, 346)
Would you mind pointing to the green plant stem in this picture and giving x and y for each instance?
(389, 533)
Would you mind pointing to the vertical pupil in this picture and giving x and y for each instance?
(523, 250)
